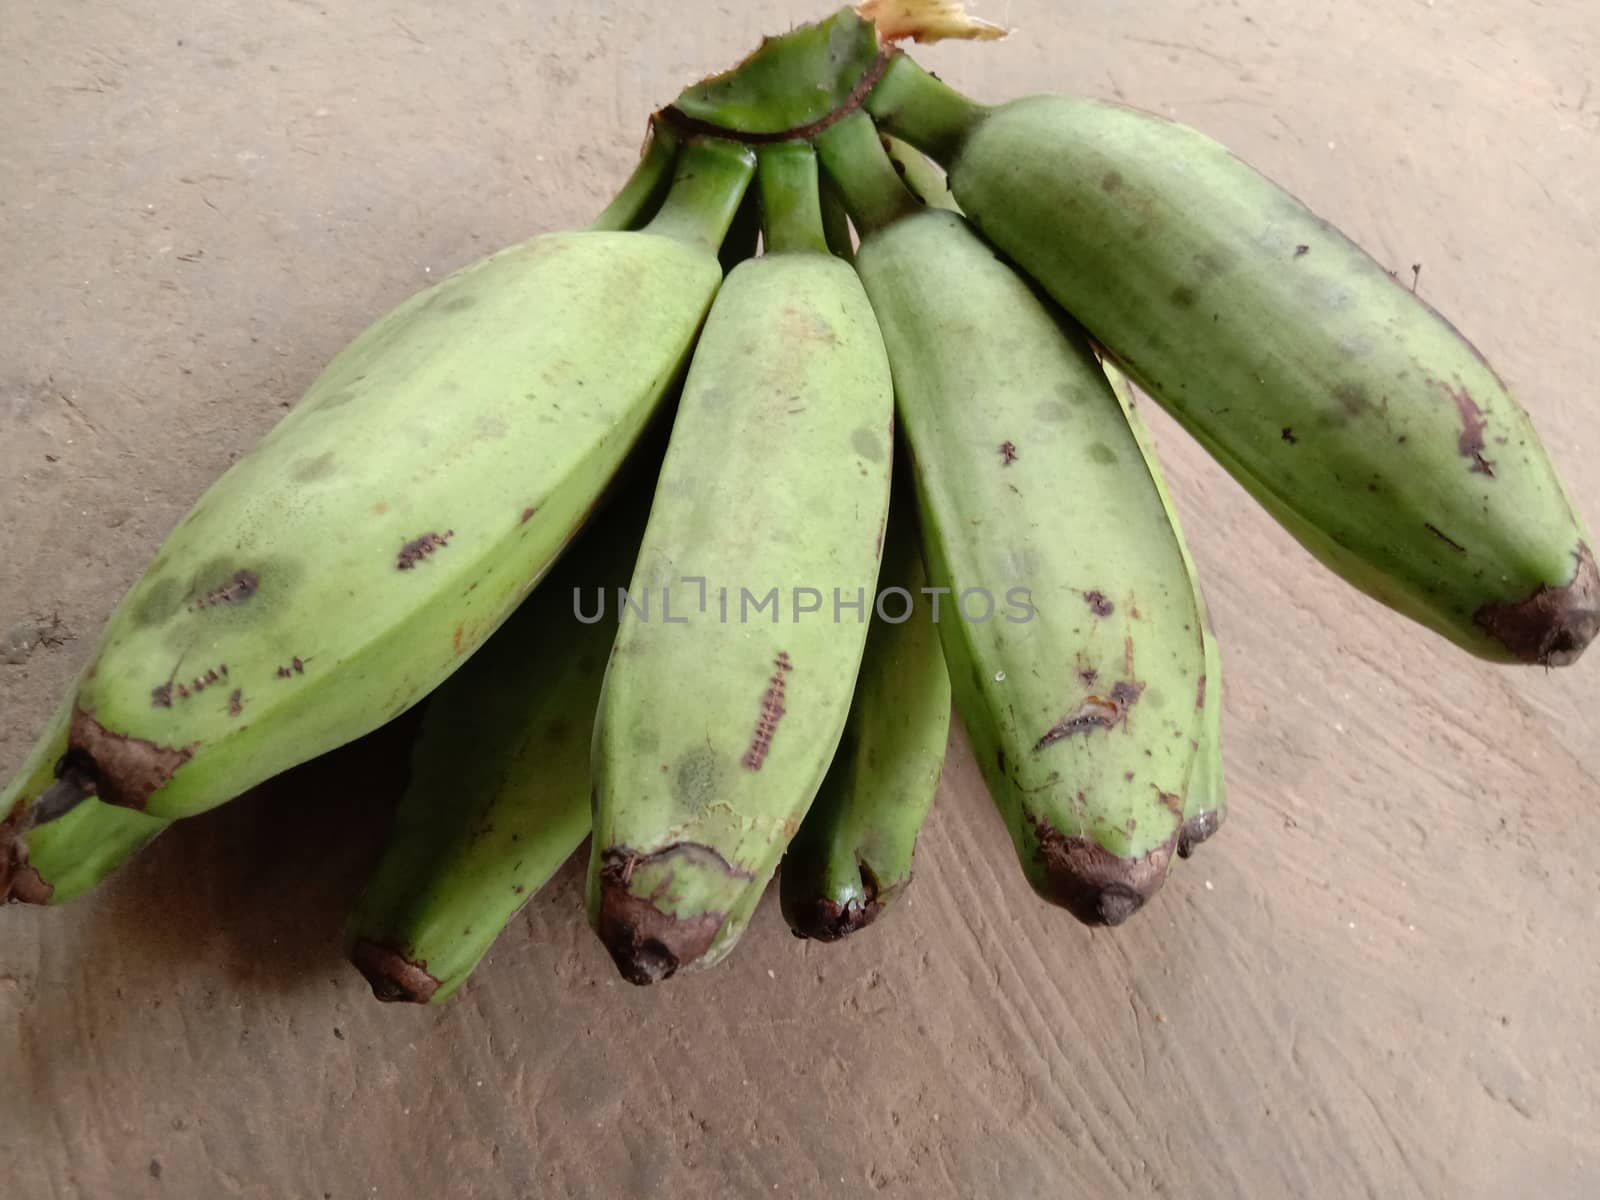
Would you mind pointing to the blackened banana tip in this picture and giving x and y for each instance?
(825, 920)
(1197, 831)
(647, 944)
(1553, 626)
(1094, 885)
(393, 976)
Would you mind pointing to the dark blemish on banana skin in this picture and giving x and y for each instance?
(1089, 676)
(1183, 296)
(1097, 712)
(1008, 453)
(1445, 538)
(1473, 424)
(1098, 604)
(1111, 181)
(236, 703)
(237, 590)
(1302, 250)
(772, 711)
(1102, 454)
(1288, 436)
(527, 514)
(296, 666)
(414, 552)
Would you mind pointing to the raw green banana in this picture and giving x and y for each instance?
(1206, 804)
(59, 860)
(1078, 667)
(852, 857)
(499, 790)
(732, 673)
(1356, 414)
(317, 591)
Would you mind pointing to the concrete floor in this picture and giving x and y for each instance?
(1380, 980)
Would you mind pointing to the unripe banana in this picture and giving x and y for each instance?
(499, 790)
(1081, 692)
(852, 857)
(723, 702)
(1357, 415)
(318, 590)
(59, 860)
(1206, 804)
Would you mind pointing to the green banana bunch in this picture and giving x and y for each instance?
(314, 592)
(729, 684)
(1206, 804)
(1356, 414)
(499, 790)
(1082, 697)
(852, 857)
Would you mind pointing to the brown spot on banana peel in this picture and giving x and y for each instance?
(126, 770)
(1098, 604)
(1096, 712)
(392, 976)
(646, 944)
(1553, 626)
(26, 886)
(1473, 423)
(414, 552)
(1091, 883)
(1197, 830)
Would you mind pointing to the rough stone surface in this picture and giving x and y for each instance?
(1380, 978)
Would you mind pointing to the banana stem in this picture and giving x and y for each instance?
(858, 163)
(835, 219)
(791, 207)
(642, 194)
(923, 110)
(710, 181)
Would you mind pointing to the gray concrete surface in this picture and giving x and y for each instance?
(1379, 981)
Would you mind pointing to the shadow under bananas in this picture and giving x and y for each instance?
(258, 889)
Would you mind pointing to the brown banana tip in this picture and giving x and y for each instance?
(1094, 885)
(1196, 831)
(393, 976)
(647, 944)
(1553, 626)
(826, 920)
(27, 886)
